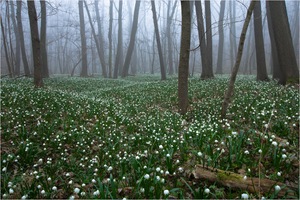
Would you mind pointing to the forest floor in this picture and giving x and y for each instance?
(103, 138)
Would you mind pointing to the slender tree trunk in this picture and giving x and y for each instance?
(44, 60)
(183, 70)
(22, 43)
(132, 39)
(119, 56)
(230, 90)
(18, 49)
(99, 49)
(221, 39)
(283, 41)
(110, 36)
(208, 39)
(84, 69)
(169, 37)
(259, 44)
(35, 40)
(9, 65)
(161, 59)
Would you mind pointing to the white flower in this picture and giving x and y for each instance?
(110, 168)
(274, 143)
(82, 193)
(168, 155)
(146, 176)
(142, 190)
(54, 188)
(259, 151)
(166, 192)
(283, 156)
(96, 193)
(207, 191)
(24, 197)
(70, 182)
(49, 179)
(94, 181)
(11, 191)
(72, 197)
(39, 186)
(278, 173)
(277, 188)
(246, 152)
(160, 147)
(157, 178)
(67, 174)
(43, 192)
(4, 169)
(167, 172)
(157, 169)
(180, 169)
(245, 178)
(245, 196)
(199, 154)
(124, 198)
(76, 190)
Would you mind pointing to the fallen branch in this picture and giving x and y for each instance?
(237, 181)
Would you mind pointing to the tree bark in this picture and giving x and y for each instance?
(132, 39)
(110, 36)
(44, 57)
(259, 44)
(17, 37)
(284, 44)
(9, 65)
(183, 70)
(99, 49)
(221, 39)
(169, 37)
(237, 181)
(84, 69)
(229, 92)
(208, 38)
(22, 43)
(119, 56)
(36, 47)
(161, 59)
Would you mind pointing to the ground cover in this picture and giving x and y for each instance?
(102, 138)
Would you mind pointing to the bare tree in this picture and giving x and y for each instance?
(208, 37)
(170, 15)
(35, 41)
(8, 62)
(17, 37)
(235, 69)
(22, 43)
(221, 39)
(84, 69)
(259, 44)
(110, 36)
(44, 60)
(283, 42)
(119, 56)
(183, 70)
(160, 54)
(99, 49)
(132, 39)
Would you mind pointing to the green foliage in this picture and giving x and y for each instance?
(104, 136)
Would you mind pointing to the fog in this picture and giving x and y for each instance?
(64, 44)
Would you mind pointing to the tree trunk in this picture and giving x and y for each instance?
(9, 65)
(161, 59)
(84, 69)
(132, 39)
(36, 47)
(183, 70)
(110, 36)
(283, 41)
(208, 39)
(169, 37)
(119, 56)
(22, 43)
(259, 44)
(44, 60)
(99, 49)
(18, 49)
(221, 39)
(230, 89)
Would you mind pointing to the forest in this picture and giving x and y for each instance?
(149, 99)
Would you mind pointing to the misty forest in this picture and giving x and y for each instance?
(149, 99)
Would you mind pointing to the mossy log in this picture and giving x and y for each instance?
(237, 181)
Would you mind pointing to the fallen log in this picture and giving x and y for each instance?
(237, 181)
